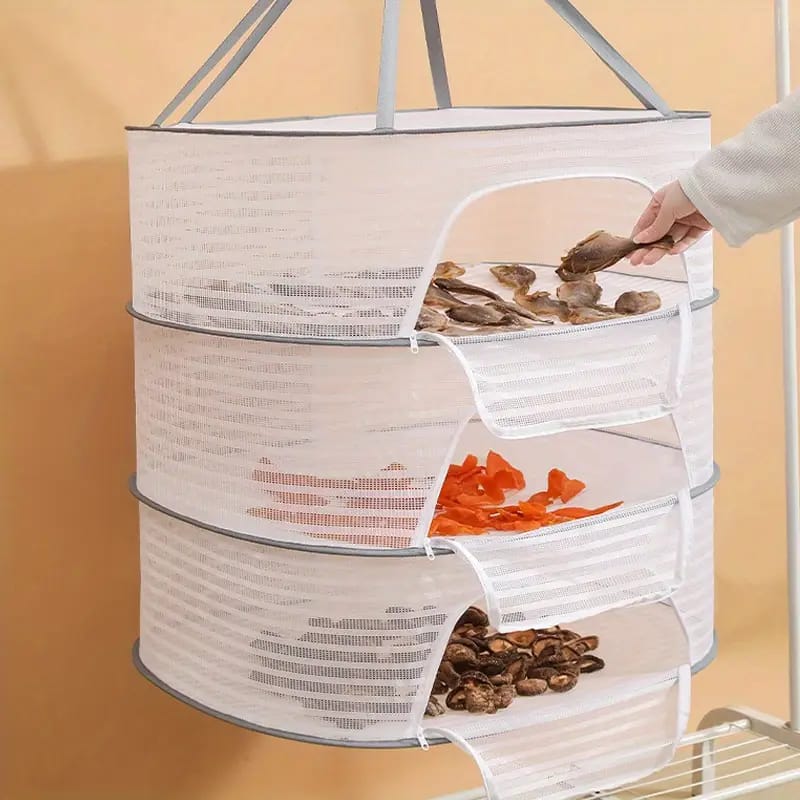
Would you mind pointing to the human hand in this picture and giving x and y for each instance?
(671, 212)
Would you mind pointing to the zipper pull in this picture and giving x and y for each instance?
(412, 340)
(428, 547)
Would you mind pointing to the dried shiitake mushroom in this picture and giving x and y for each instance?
(531, 686)
(482, 672)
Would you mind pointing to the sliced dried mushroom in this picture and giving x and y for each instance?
(521, 638)
(590, 663)
(546, 647)
(529, 687)
(479, 698)
(582, 292)
(490, 664)
(456, 699)
(543, 673)
(461, 656)
(543, 305)
(503, 679)
(455, 286)
(522, 315)
(601, 250)
(434, 707)
(473, 616)
(436, 297)
(467, 641)
(448, 269)
(504, 696)
(430, 319)
(499, 644)
(587, 642)
(637, 303)
(448, 675)
(518, 667)
(586, 315)
(479, 315)
(515, 276)
(562, 682)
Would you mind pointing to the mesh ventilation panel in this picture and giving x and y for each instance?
(279, 639)
(695, 598)
(302, 443)
(561, 757)
(311, 235)
(329, 646)
(603, 374)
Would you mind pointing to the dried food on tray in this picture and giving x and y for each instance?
(601, 250)
(473, 500)
(483, 672)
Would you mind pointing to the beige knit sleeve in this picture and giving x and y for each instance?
(751, 183)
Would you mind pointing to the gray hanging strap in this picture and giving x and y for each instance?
(635, 82)
(387, 76)
(433, 39)
(239, 57)
(222, 50)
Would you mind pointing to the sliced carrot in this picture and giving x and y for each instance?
(556, 479)
(580, 513)
(533, 510)
(571, 489)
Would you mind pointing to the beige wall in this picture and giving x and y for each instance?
(77, 720)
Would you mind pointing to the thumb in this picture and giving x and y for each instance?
(659, 227)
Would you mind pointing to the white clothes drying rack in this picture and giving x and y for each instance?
(739, 751)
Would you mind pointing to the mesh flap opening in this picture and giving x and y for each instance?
(532, 383)
(577, 570)
(596, 748)
(615, 725)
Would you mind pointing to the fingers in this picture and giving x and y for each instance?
(692, 236)
(649, 215)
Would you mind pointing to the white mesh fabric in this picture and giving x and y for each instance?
(295, 442)
(560, 758)
(336, 647)
(313, 235)
(695, 598)
(540, 381)
(617, 724)
(694, 416)
(279, 638)
(577, 570)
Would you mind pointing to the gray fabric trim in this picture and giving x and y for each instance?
(626, 72)
(422, 131)
(222, 50)
(297, 737)
(696, 305)
(272, 15)
(433, 41)
(336, 550)
(387, 73)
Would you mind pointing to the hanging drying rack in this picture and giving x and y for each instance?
(739, 751)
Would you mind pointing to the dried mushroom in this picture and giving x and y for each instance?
(515, 276)
(585, 291)
(637, 303)
(434, 707)
(455, 286)
(430, 319)
(601, 250)
(543, 305)
(479, 315)
(482, 673)
(436, 297)
(448, 269)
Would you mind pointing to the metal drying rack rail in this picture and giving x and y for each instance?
(738, 751)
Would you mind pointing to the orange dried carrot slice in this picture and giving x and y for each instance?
(571, 489)
(580, 513)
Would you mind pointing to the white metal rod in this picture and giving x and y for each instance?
(387, 76)
(788, 299)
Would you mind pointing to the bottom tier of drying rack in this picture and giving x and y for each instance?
(736, 753)
(375, 745)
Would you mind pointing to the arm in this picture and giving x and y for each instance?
(747, 185)
(751, 183)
